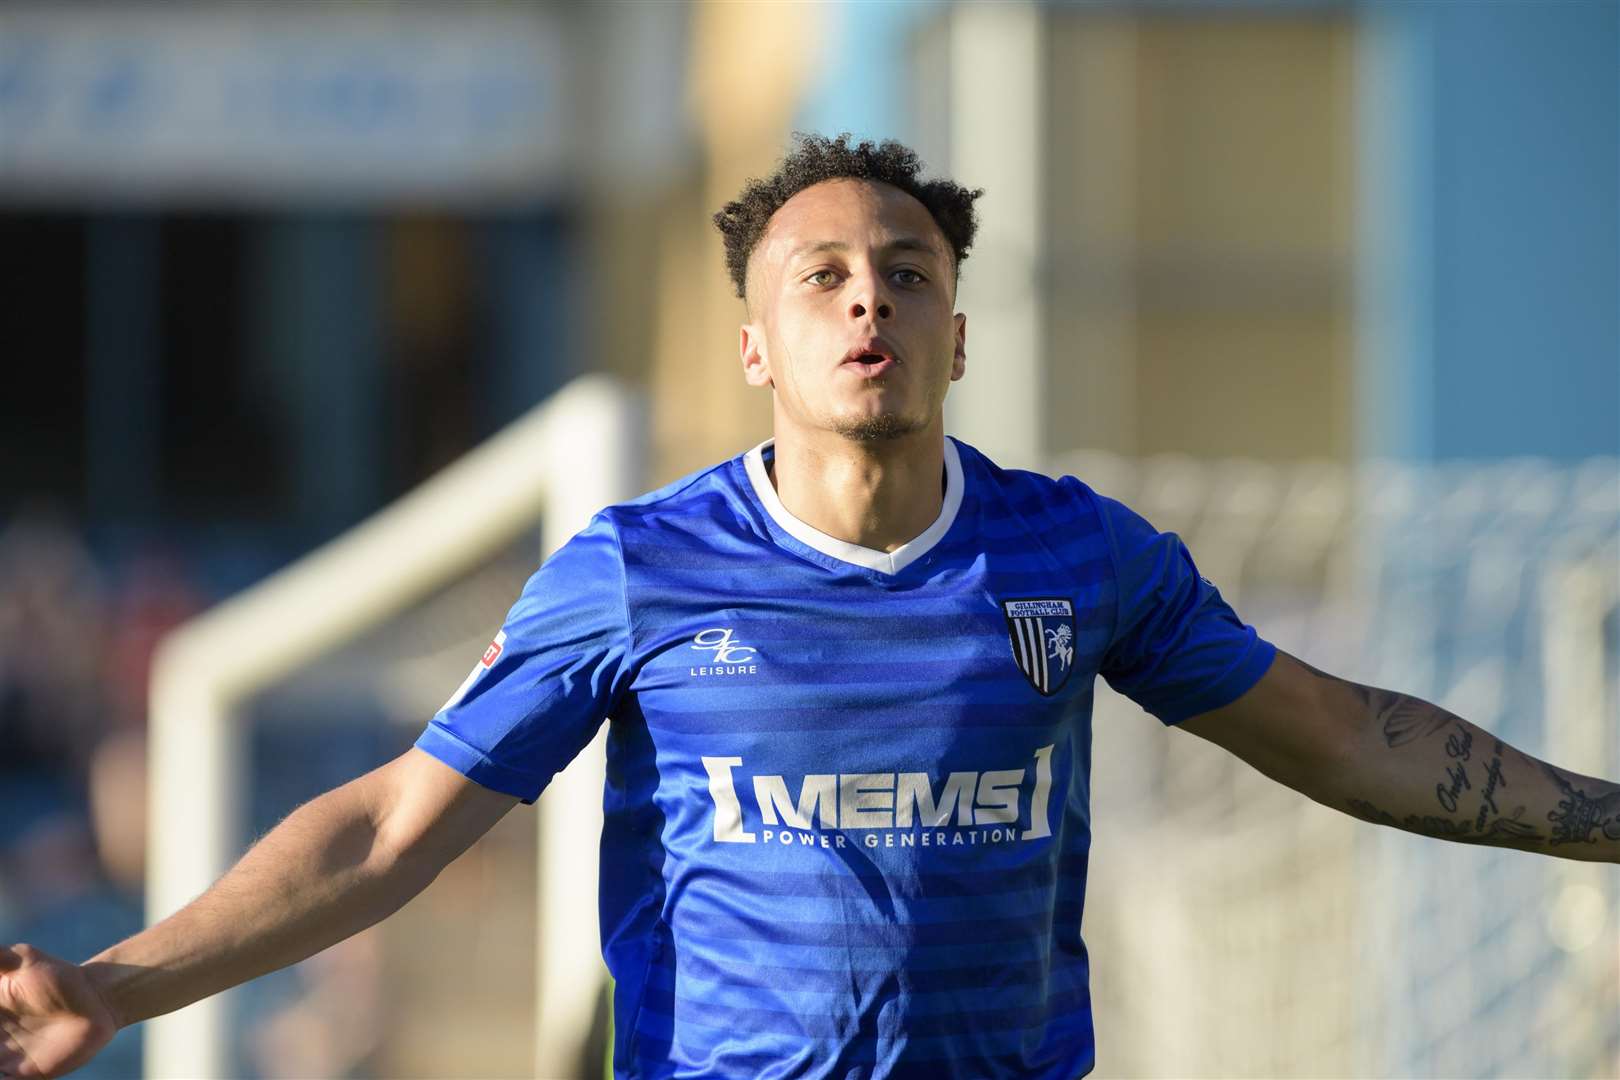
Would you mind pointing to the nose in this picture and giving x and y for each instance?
(868, 297)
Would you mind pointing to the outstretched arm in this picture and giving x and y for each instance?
(333, 867)
(1397, 760)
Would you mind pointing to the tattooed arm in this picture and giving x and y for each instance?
(1397, 760)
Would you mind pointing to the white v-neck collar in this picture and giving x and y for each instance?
(887, 562)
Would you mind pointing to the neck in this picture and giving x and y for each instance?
(877, 494)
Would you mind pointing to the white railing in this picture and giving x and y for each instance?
(559, 464)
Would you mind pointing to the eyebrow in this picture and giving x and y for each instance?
(899, 243)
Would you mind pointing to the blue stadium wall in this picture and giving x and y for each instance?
(1491, 146)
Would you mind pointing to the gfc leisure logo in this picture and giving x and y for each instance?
(731, 657)
(886, 809)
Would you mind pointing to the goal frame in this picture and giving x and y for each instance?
(581, 449)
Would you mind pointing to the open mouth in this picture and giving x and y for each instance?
(871, 358)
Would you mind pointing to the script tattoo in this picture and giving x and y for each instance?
(1493, 780)
(1579, 813)
(1403, 720)
(1447, 795)
(1459, 743)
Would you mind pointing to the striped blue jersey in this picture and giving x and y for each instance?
(847, 812)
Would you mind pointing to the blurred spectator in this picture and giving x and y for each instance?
(75, 650)
(334, 1021)
(76, 647)
(118, 808)
(52, 619)
(153, 596)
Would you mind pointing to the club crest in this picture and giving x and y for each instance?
(1042, 633)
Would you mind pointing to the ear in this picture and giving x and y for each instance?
(756, 364)
(959, 361)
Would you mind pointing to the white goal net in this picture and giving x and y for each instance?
(1238, 929)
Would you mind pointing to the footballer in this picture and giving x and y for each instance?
(848, 680)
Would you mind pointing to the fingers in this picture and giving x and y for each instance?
(12, 1061)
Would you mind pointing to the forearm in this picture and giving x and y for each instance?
(1415, 766)
(321, 875)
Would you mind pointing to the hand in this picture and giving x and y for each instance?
(52, 1018)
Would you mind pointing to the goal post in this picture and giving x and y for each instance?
(557, 465)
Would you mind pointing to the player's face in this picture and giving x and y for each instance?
(850, 298)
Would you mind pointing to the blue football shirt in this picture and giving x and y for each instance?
(847, 812)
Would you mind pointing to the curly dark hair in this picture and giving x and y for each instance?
(742, 221)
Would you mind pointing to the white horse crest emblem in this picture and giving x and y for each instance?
(1042, 635)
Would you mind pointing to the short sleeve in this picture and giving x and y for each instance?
(1178, 649)
(549, 678)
